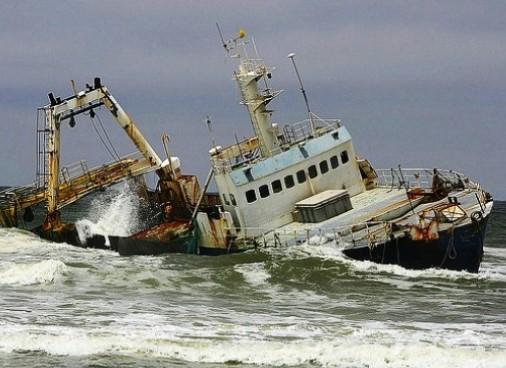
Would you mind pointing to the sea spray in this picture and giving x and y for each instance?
(115, 212)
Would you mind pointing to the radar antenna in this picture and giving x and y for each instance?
(223, 43)
(310, 114)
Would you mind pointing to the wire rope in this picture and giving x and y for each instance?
(101, 138)
(107, 137)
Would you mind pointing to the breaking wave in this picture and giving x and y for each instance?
(254, 273)
(12, 240)
(328, 250)
(361, 347)
(44, 272)
(115, 212)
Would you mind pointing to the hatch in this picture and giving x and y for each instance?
(322, 206)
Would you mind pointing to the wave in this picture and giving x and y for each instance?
(358, 349)
(12, 239)
(333, 252)
(44, 272)
(254, 273)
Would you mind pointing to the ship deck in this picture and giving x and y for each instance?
(366, 206)
(370, 215)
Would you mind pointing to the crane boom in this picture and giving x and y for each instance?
(81, 102)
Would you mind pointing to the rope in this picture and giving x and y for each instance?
(102, 139)
(398, 252)
(475, 218)
(107, 137)
(451, 252)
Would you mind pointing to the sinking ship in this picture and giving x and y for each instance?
(291, 184)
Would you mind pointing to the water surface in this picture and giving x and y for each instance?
(303, 306)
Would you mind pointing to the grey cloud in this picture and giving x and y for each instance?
(418, 83)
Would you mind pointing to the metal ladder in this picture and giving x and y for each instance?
(41, 170)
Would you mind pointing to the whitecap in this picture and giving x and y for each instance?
(371, 348)
(44, 272)
(254, 273)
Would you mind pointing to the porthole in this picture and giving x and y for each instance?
(251, 196)
(264, 191)
(344, 157)
(276, 186)
(311, 170)
(324, 167)
(289, 182)
(301, 176)
(334, 162)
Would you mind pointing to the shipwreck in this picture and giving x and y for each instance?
(287, 184)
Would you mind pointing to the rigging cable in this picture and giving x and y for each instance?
(102, 139)
(107, 137)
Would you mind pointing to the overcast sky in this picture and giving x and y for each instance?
(418, 83)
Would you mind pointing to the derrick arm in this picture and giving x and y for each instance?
(59, 110)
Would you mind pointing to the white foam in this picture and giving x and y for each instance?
(254, 273)
(12, 240)
(364, 348)
(44, 272)
(111, 216)
(330, 250)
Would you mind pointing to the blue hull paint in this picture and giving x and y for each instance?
(460, 251)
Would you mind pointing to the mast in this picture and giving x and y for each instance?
(291, 56)
(249, 73)
(53, 146)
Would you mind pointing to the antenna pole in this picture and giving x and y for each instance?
(223, 43)
(310, 115)
(209, 127)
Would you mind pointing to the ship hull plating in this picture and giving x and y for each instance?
(460, 249)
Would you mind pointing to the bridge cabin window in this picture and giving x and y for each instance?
(324, 167)
(344, 157)
(313, 173)
(251, 196)
(301, 176)
(264, 191)
(276, 186)
(334, 162)
(289, 182)
(232, 200)
(225, 199)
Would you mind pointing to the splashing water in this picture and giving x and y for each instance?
(116, 213)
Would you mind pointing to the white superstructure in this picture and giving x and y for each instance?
(260, 179)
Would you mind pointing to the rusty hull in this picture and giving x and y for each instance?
(70, 190)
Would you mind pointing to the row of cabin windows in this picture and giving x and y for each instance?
(312, 171)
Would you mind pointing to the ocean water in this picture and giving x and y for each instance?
(303, 306)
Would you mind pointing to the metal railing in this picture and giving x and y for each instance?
(227, 163)
(421, 178)
(293, 133)
(370, 233)
(302, 130)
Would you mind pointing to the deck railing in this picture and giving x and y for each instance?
(302, 130)
(293, 133)
(369, 233)
(421, 178)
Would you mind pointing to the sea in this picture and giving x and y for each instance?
(298, 306)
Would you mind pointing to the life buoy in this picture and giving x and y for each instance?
(476, 216)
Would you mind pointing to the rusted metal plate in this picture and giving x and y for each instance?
(20, 198)
(165, 231)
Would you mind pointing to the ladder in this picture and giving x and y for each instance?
(41, 170)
